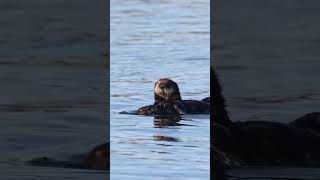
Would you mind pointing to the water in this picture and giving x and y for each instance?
(267, 56)
(52, 88)
(151, 40)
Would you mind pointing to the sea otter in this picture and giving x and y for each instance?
(265, 143)
(167, 101)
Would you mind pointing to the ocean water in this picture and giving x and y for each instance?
(267, 57)
(53, 87)
(152, 40)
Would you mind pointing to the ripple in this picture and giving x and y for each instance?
(279, 99)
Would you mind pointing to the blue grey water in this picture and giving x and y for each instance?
(53, 86)
(267, 55)
(152, 40)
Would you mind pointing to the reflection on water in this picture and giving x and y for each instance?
(164, 121)
(152, 40)
(267, 57)
(165, 138)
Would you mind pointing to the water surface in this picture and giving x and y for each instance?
(53, 87)
(152, 40)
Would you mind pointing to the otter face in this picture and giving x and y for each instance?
(166, 90)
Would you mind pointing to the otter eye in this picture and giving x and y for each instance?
(161, 86)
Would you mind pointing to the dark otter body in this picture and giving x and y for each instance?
(168, 101)
(96, 159)
(266, 143)
(220, 114)
(269, 143)
(162, 108)
(99, 158)
(309, 121)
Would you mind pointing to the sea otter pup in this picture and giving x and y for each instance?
(265, 143)
(168, 101)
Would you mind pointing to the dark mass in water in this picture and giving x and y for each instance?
(168, 101)
(97, 159)
(263, 143)
(219, 113)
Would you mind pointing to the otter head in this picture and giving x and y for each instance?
(166, 90)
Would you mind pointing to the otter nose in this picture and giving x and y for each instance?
(161, 86)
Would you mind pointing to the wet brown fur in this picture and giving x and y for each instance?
(168, 101)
